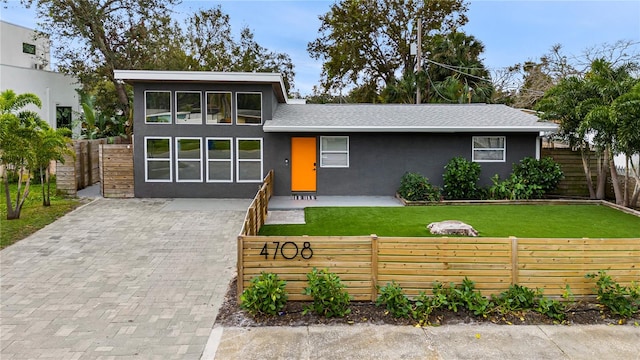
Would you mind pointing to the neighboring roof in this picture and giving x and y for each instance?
(403, 118)
(275, 79)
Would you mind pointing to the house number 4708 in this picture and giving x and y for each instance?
(288, 250)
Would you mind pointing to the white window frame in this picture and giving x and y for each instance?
(206, 103)
(147, 159)
(230, 160)
(238, 160)
(503, 149)
(176, 121)
(178, 160)
(323, 151)
(261, 108)
(170, 107)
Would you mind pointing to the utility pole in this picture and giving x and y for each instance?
(419, 59)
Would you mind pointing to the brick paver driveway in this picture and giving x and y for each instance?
(119, 279)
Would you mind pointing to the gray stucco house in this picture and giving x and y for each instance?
(211, 134)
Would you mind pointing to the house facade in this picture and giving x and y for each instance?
(25, 68)
(209, 134)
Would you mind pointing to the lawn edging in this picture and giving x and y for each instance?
(521, 202)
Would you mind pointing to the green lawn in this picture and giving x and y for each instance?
(34, 216)
(555, 221)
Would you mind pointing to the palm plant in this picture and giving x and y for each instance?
(18, 133)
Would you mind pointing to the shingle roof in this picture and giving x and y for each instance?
(403, 118)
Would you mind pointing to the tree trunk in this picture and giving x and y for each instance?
(7, 195)
(47, 178)
(586, 165)
(614, 179)
(121, 90)
(636, 190)
(603, 164)
(625, 201)
(44, 203)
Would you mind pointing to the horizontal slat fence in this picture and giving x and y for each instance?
(365, 262)
(574, 182)
(116, 170)
(550, 263)
(350, 257)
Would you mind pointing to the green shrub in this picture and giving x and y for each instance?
(396, 302)
(621, 300)
(424, 305)
(328, 293)
(512, 188)
(550, 307)
(460, 179)
(530, 179)
(415, 187)
(516, 298)
(545, 174)
(265, 295)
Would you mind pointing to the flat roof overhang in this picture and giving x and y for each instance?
(137, 76)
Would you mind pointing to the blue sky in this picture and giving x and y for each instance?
(512, 31)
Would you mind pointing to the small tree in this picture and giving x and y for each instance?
(51, 145)
(18, 134)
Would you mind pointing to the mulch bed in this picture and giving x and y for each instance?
(231, 315)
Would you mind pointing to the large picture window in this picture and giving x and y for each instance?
(219, 160)
(334, 151)
(249, 160)
(249, 108)
(189, 159)
(157, 154)
(218, 107)
(157, 107)
(188, 107)
(489, 149)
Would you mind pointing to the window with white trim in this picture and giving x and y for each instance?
(157, 107)
(249, 108)
(489, 149)
(219, 160)
(188, 159)
(334, 151)
(248, 160)
(188, 107)
(218, 107)
(157, 155)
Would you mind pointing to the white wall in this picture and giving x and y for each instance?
(53, 89)
(11, 38)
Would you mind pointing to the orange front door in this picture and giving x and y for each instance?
(303, 164)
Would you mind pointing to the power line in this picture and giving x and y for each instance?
(453, 68)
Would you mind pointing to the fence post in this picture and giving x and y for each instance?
(240, 277)
(374, 267)
(514, 260)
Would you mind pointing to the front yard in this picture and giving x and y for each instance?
(549, 221)
(34, 216)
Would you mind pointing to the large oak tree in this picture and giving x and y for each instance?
(368, 41)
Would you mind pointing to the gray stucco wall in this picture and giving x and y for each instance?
(202, 189)
(378, 161)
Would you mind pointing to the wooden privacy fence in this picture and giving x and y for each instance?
(257, 212)
(116, 170)
(365, 262)
(85, 170)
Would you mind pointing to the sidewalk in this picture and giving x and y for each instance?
(446, 342)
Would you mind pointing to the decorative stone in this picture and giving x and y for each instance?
(452, 227)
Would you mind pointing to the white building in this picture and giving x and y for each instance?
(25, 68)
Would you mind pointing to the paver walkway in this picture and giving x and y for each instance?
(118, 278)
